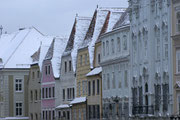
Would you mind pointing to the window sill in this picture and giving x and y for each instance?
(18, 91)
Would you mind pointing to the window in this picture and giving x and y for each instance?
(93, 87)
(49, 115)
(36, 116)
(53, 92)
(65, 66)
(107, 47)
(84, 86)
(98, 87)
(157, 32)
(42, 92)
(49, 92)
(99, 58)
(68, 94)
(112, 45)
(125, 42)
(103, 48)
(85, 59)
(81, 60)
(18, 83)
(118, 44)
(89, 88)
(108, 82)
(79, 86)
(119, 79)
(63, 94)
(31, 116)
(31, 95)
(104, 81)
(70, 66)
(68, 115)
(46, 69)
(46, 92)
(49, 70)
(126, 78)
(113, 81)
(178, 61)
(178, 22)
(33, 75)
(36, 96)
(18, 109)
(38, 74)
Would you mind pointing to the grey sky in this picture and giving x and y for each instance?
(51, 17)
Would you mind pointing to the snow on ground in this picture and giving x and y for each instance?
(95, 71)
(78, 100)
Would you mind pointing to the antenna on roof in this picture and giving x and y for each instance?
(1, 28)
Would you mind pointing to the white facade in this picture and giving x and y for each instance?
(151, 68)
(115, 73)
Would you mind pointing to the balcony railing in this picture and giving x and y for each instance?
(143, 110)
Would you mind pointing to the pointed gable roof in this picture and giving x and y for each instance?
(103, 21)
(76, 38)
(55, 52)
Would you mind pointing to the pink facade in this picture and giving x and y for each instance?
(48, 91)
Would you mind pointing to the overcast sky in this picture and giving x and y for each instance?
(51, 17)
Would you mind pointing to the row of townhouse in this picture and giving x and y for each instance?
(120, 64)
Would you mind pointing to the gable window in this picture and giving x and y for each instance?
(112, 45)
(81, 60)
(125, 42)
(18, 108)
(85, 59)
(18, 83)
(107, 47)
(70, 66)
(49, 70)
(99, 58)
(65, 66)
(118, 44)
(33, 75)
(103, 48)
(46, 70)
(38, 74)
(178, 61)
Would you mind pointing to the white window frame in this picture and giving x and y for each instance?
(177, 65)
(18, 83)
(19, 107)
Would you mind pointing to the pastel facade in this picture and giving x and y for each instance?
(34, 92)
(116, 70)
(151, 63)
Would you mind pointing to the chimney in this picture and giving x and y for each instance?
(1, 28)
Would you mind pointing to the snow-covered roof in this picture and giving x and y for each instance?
(16, 48)
(55, 52)
(123, 21)
(95, 71)
(15, 118)
(78, 100)
(103, 21)
(42, 51)
(76, 38)
(63, 106)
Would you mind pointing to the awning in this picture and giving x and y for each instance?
(78, 100)
(95, 71)
(63, 106)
